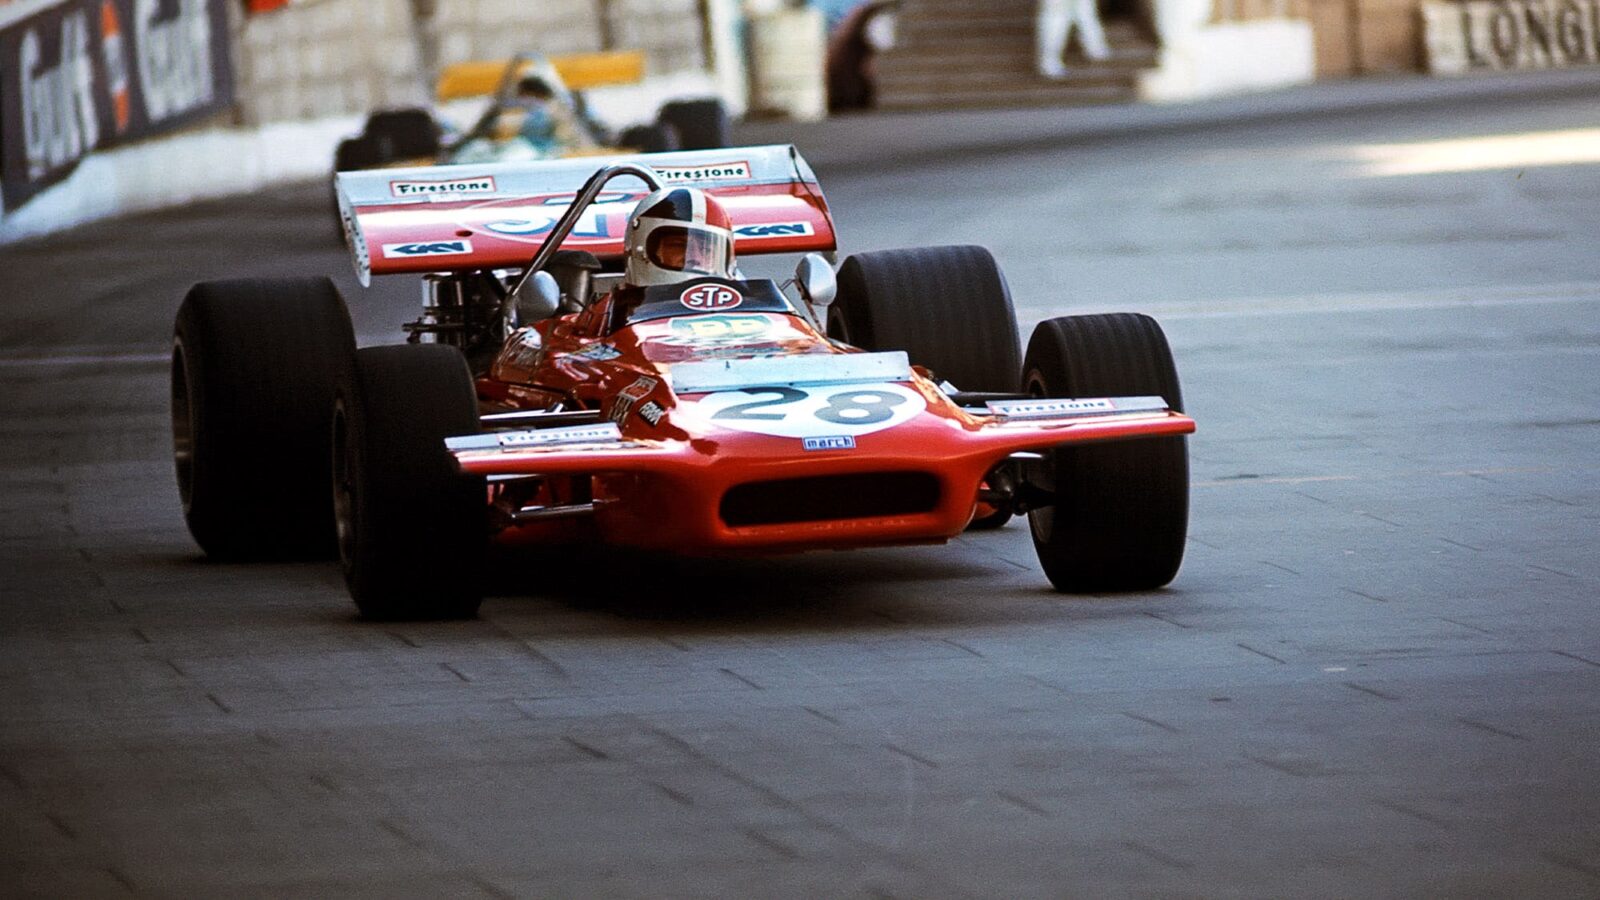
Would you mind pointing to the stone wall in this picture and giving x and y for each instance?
(498, 29)
(327, 58)
(323, 58)
(671, 32)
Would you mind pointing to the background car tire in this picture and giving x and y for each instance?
(254, 369)
(399, 134)
(412, 528)
(658, 138)
(1121, 512)
(947, 307)
(356, 153)
(699, 124)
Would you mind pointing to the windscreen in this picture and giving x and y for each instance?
(696, 251)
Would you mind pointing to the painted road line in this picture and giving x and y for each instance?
(99, 359)
(1581, 293)
(1400, 473)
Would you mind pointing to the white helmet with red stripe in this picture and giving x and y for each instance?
(675, 234)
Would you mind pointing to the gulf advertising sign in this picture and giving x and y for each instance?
(80, 75)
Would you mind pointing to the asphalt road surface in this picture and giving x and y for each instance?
(1377, 674)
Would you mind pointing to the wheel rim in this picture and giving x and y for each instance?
(344, 501)
(182, 424)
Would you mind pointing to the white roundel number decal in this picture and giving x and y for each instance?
(814, 411)
(710, 298)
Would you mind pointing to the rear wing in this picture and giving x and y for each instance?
(495, 216)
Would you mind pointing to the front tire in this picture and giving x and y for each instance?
(254, 366)
(412, 529)
(947, 307)
(1121, 511)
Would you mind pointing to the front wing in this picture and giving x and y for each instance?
(732, 491)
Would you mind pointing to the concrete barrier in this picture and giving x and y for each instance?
(192, 166)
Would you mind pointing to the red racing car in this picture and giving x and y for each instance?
(591, 365)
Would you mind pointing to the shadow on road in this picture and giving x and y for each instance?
(598, 590)
(813, 592)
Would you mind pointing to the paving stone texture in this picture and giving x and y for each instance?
(1377, 674)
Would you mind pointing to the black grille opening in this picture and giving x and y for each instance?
(819, 499)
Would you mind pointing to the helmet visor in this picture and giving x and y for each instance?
(696, 251)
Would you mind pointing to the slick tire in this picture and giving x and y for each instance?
(947, 307)
(254, 368)
(412, 529)
(699, 124)
(354, 154)
(1121, 510)
(657, 138)
(397, 134)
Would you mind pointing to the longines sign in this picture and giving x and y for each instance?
(78, 75)
(1511, 34)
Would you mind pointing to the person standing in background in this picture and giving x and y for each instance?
(1055, 24)
(865, 32)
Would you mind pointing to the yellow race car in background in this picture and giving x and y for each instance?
(536, 110)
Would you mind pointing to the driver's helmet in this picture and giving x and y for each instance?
(533, 86)
(676, 234)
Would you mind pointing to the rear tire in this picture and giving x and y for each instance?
(1121, 511)
(699, 124)
(412, 528)
(254, 367)
(947, 307)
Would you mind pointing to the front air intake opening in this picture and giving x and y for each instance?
(819, 499)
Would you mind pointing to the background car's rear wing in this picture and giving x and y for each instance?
(577, 71)
(495, 216)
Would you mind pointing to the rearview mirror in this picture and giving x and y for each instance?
(815, 279)
(539, 298)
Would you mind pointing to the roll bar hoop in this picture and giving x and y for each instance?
(569, 219)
